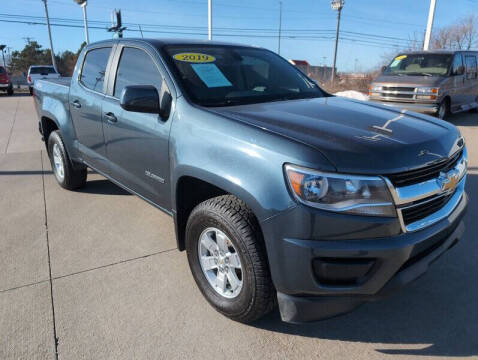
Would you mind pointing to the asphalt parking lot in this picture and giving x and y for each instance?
(98, 270)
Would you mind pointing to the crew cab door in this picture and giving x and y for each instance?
(458, 93)
(471, 79)
(137, 144)
(86, 97)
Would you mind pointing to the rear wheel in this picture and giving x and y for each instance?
(227, 258)
(66, 175)
(444, 109)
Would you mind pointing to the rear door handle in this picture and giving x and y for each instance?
(111, 117)
(76, 104)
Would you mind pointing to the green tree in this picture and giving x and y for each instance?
(31, 54)
(34, 54)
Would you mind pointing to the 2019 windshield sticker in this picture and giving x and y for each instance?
(194, 57)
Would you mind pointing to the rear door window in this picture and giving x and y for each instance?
(136, 68)
(471, 67)
(94, 69)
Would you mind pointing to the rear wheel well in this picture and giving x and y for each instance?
(47, 126)
(190, 192)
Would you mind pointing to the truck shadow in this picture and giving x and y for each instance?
(102, 187)
(437, 315)
(464, 119)
(15, 94)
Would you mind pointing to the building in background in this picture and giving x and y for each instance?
(319, 73)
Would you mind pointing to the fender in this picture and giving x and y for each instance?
(55, 106)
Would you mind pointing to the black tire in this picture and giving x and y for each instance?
(444, 109)
(231, 216)
(10, 91)
(73, 177)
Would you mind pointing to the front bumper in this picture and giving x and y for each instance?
(5, 86)
(431, 109)
(318, 279)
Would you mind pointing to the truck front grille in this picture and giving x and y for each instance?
(394, 88)
(425, 173)
(397, 96)
(423, 209)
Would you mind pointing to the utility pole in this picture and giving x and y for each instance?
(117, 27)
(209, 19)
(431, 18)
(83, 4)
(280, 24)
(140, 30)
(53, 60)
(336, 5)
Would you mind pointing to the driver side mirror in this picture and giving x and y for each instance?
(140, 98)
(145, 99)
(383, 68)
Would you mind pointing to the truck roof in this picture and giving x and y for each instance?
(170, 41)
(445, 52)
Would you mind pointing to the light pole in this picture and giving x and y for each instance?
(53, 60)
(83, 4)
(2, 47)
(336, 5)
(209, 19)
(280, 24)
(431, 18)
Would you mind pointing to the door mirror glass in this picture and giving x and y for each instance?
(140, 98)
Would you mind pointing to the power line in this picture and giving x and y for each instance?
(291, 33)
(299, 37)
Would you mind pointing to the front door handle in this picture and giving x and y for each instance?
(111, 117)
(76, 104)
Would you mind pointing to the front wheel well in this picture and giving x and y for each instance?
(190, 192)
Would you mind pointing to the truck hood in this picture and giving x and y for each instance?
(355, 136)
(409, 81)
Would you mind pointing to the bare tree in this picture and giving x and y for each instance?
(460, 36)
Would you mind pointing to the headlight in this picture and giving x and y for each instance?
(374, 88)
(427, 90)
(361, 195)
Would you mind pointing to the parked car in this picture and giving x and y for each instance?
(36, 72)
(432, 82)
(5, 83)
(279, 191)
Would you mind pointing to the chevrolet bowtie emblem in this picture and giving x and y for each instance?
(448, 181)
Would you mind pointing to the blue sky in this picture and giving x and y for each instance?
(311, 22)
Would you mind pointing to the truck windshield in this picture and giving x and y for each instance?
(420, 65)
(233, 75)
(43, 70)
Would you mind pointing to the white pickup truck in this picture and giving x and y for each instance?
(36, 72)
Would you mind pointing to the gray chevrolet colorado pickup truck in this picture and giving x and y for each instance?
(280, 192)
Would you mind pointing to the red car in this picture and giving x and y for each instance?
(5, 83)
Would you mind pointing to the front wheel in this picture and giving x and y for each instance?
(66, 175)
(444, 109)
(227, 258)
